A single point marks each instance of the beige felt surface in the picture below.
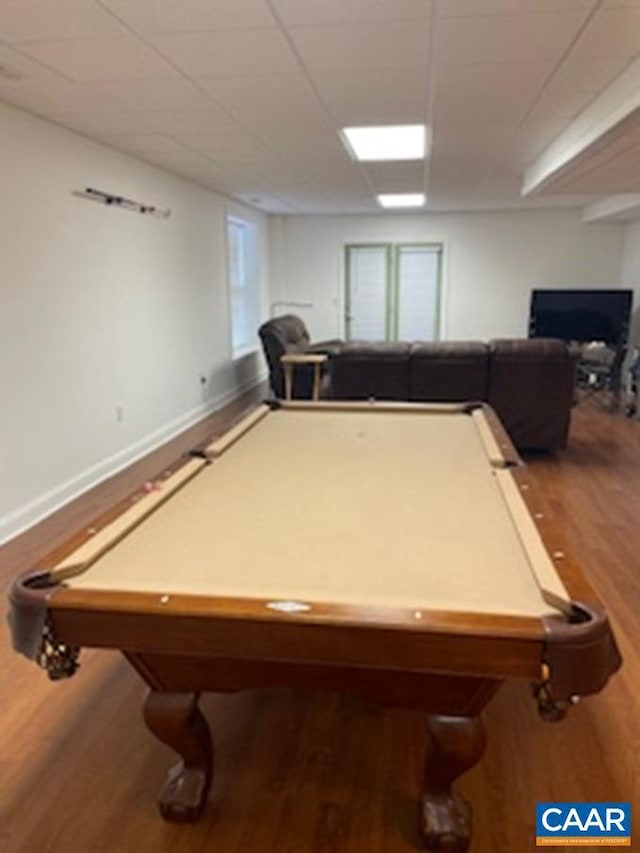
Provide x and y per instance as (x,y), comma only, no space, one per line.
(111,534)
(370,508)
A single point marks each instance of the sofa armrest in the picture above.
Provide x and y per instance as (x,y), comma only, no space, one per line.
(329,348)
(531,388)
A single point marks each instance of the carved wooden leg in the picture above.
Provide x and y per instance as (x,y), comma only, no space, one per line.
(175,719)
(455,745)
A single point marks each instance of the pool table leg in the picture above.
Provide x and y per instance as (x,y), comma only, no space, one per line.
(455,745)
(175,719)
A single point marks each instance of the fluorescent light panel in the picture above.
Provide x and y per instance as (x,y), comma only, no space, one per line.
(402,199)
(390,142)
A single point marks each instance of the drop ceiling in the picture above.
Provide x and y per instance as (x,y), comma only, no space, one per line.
(531,103)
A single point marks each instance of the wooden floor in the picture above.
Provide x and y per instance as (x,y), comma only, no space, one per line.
(305,772)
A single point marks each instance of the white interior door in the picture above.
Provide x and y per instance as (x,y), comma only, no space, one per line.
(367,293)
(418,292)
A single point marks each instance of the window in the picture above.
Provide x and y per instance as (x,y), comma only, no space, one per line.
(243,284)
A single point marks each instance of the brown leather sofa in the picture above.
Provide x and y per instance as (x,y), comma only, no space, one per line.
(529,382)
(288,334)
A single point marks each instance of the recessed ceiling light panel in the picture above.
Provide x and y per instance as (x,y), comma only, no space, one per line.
(388,142)
(402,200)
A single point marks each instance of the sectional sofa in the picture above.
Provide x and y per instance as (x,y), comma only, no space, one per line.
(529,381)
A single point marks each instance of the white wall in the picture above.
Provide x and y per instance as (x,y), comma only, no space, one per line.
(492,261)
(102,308)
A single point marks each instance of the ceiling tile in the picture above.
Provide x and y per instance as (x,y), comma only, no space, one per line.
(37,88)
(614,32)
(162,16)
(363,46)
(507,38)
(22,71)
(228,52)
(275,173)
(457,168)
(393,96)
(307,145)
(146,95)
(88,60)
(396,177)
(452,179)
(268,101)
(228,147)
(500,91)
(54,19)
(311,12)
(149,143)
(475,133)
(582,74)
(266,202)
(174,159)
(282,185)
(188,121)
(304,200)
(105,123)
(564,105)
(462,8)
(486,139)
(347,178)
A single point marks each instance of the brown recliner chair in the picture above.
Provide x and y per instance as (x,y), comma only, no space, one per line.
(531,388)
(288,334)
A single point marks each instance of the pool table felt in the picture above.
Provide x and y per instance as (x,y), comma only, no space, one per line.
(374,508)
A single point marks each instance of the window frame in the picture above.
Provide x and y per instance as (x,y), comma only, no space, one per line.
(243,280)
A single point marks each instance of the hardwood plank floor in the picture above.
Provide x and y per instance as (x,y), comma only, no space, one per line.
(303,772)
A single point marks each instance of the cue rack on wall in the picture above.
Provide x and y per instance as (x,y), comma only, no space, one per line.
(120,201)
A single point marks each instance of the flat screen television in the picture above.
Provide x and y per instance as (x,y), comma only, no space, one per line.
(581,315)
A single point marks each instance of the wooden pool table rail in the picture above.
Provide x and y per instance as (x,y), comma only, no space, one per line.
(576,657)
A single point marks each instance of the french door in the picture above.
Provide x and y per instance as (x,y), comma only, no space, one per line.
(393,291)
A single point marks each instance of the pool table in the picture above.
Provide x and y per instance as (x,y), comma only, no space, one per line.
(396,551)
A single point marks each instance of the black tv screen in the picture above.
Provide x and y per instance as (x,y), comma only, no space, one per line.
(581,315)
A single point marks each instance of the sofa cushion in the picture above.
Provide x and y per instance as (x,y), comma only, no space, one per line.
(449,371)
(363,370)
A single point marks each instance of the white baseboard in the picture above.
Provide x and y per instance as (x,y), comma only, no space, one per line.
(26,516)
